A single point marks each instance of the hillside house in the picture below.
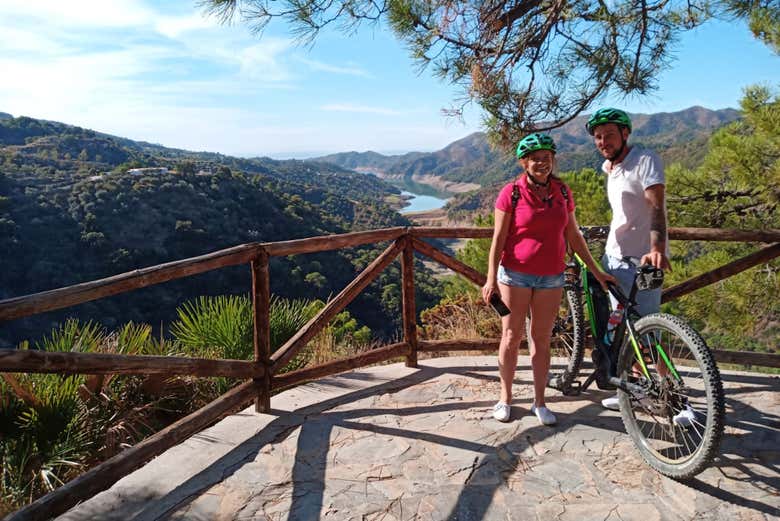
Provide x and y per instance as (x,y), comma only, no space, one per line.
(155,170)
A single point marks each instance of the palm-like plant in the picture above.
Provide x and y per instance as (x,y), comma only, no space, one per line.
(216,327)
(44,432)
(287,317)
(52,426)
(43,441)
(221,327)
(74,336)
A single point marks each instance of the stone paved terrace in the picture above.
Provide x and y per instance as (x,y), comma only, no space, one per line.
(392,443)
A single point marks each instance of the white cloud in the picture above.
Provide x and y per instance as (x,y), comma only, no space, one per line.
(349,70)
(348,107)
(264,60)
(55,72)
(54,84)
(18,40)
(174,26)
(102,14)
(81,13)
(185,81)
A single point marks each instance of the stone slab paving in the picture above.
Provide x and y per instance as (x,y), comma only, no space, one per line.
(393,443)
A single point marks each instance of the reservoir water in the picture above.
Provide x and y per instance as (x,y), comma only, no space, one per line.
(419,203)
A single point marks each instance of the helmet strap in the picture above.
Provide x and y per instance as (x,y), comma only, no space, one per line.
(537,183)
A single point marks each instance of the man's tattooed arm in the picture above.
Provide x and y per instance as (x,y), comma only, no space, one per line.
(658,229)
(654,195)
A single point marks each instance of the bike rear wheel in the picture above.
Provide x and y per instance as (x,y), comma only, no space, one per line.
(677,424)
(568,338)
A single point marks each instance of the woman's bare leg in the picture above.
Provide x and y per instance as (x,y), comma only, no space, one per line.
(544,309)
(512,333)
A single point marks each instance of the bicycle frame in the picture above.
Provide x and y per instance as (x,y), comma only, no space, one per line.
(675,419)
(626,325)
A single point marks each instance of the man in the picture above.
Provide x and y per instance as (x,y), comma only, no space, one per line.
(635,188)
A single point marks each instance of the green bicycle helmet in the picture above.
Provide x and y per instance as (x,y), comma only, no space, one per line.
(608,115)
(534,142)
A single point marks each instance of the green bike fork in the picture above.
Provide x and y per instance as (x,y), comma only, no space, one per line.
(641,358)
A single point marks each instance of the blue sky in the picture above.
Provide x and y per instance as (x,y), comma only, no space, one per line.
(164,73)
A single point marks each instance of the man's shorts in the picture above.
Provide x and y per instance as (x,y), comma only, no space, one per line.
(648,301)
(519,279)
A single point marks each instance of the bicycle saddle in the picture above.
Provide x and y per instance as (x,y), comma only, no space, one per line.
(649,277)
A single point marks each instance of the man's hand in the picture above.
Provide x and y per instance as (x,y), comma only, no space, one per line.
(657,259)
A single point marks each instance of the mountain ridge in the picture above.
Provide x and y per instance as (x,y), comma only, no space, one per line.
(471,159)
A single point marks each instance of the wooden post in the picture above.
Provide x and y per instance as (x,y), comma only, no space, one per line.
(409,310)
(261,304)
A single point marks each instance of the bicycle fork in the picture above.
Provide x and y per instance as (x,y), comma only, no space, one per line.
(640,360)
(607,366)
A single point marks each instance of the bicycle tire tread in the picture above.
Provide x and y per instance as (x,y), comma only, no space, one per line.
(706,453)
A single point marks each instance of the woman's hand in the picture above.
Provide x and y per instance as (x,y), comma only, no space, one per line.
(488,289)
(604,277)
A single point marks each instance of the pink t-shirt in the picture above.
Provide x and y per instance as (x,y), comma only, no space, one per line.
(535,242)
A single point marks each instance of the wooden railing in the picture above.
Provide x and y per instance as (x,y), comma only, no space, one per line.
(263,374)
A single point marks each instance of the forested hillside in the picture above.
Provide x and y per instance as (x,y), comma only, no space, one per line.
(70,212)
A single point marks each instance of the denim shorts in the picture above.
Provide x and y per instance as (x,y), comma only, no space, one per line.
(519,279)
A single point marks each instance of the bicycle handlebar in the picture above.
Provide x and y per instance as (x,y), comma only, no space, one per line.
(647,277)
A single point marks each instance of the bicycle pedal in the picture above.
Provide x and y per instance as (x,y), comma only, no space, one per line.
(602,382)
(574,389)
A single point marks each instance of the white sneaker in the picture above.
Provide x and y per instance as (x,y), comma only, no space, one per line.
(545,416)
(502,411)
(685,417)
(612,403)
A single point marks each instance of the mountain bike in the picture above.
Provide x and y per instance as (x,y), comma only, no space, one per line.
(669,387)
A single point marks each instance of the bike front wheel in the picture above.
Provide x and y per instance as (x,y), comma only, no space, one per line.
(677,422)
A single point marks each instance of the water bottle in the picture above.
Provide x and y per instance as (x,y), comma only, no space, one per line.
(614,319)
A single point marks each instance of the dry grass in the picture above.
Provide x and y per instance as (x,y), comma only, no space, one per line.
(462,317)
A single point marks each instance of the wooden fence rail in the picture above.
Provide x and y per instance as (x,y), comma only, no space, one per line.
(33,361)
(265,370)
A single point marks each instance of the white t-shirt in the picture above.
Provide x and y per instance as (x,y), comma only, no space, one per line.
(629,232)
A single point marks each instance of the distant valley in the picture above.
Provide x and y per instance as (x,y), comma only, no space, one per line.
(78,205)
(471,163)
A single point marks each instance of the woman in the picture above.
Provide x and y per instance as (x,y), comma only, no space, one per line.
(534,218)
